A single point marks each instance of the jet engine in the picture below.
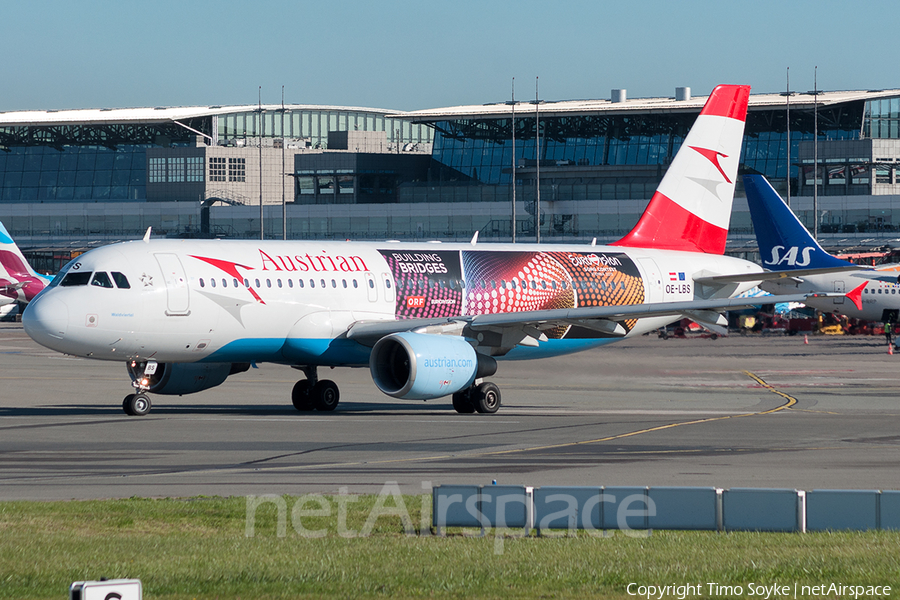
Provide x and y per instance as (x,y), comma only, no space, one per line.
(418,366)
(185,378)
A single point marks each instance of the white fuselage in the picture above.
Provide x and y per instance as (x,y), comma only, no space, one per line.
(876,297)
(292,302)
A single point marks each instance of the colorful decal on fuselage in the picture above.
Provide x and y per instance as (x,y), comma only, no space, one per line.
(428,284)
(477,282)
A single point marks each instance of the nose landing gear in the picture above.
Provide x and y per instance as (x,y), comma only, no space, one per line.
(138,405)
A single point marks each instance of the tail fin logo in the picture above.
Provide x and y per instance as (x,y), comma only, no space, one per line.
(790,257)
(713,157)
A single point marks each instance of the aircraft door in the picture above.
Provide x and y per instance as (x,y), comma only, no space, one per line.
(370,287)
(653,285)
(840,289)
(388,287)
(177,294)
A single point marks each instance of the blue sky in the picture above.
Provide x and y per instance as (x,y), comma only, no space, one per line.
(412,55)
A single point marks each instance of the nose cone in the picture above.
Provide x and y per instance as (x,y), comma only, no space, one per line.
(45,320)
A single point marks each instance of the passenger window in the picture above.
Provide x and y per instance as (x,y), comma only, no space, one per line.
(246,283)
(355,285)
(312,283)
(290,283)
(212,281)
(333,283)
(300,282)
(371,284)
(101,279)
(322,281)
(268,283)
(201,283)
(279,283)
(121,280)
(73,279)
(344,281)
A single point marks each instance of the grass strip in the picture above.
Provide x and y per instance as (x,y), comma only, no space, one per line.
(199,548)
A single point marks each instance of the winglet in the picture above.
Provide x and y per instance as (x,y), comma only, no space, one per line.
(474,239)
(147,235)
(856,295)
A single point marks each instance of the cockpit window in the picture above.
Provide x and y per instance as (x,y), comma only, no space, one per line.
(121,280)
(101,279)
(73,279)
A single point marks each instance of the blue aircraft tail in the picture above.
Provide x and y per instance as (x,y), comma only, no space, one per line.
(784,243)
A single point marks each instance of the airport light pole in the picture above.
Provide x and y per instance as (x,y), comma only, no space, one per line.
(537,154)
(816,154)
(512,103)
(262,222)
(283,195)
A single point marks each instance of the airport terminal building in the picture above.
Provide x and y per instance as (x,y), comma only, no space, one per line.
(92,176)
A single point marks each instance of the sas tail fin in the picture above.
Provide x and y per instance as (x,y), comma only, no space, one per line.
(784,243)
(18,281)
(691,208)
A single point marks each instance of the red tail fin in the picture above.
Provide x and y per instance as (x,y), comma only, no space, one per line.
(691,208)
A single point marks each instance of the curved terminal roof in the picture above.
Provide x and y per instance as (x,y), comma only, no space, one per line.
(635,106)
(98,116)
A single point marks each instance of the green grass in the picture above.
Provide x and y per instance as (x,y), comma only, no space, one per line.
(197,548)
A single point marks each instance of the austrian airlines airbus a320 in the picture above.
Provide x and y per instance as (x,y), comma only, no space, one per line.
(429,320)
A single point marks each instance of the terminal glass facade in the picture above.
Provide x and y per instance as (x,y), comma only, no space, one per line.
(481,150)
(73,174)
(314,125)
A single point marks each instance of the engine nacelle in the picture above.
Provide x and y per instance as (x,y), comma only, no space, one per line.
(185,378)
(419,366)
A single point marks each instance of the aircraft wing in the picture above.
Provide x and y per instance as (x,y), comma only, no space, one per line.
(602,319)
(892,277)
(797,274)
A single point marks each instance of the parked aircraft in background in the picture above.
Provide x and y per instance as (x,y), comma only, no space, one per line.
(428,319)
(19,283)
(786,246)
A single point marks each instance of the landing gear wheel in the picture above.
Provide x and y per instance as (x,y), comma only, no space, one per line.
(486,398)
(301,397)
(138,405)
(462,402)
(325,395)
(126,404)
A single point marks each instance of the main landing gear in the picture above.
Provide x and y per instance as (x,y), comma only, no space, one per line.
(483,398)
(315,394)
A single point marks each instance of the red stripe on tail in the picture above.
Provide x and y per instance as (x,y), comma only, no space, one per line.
(667,226)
